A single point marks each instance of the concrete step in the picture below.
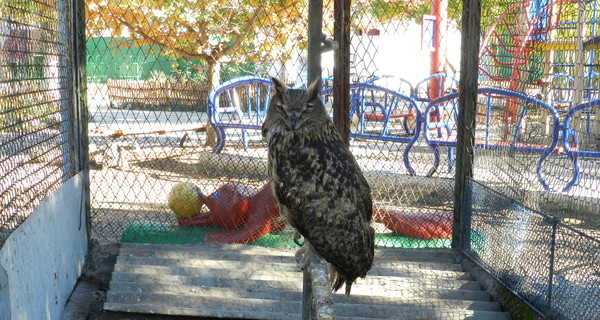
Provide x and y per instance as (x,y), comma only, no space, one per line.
(251,282)
(208,305)
(351,311)
(436,298)
(254,261)
(191,305)
(418,302)
(423,280)
(384,257)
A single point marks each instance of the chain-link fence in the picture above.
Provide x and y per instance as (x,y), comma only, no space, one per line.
(551,265)
(37,122)
(146,140)
(177,155)
(534,189)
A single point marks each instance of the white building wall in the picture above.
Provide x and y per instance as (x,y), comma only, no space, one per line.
(41,261)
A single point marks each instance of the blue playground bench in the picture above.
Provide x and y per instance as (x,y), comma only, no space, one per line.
(498,109)
(571,134)
(371,103)
(423,91)
(242,103)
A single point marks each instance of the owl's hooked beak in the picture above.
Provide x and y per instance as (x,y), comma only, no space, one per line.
(293,120)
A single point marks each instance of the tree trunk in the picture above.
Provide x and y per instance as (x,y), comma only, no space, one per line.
(214,78)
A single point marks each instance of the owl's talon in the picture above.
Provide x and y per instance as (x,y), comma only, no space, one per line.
(305,255)
(297,237)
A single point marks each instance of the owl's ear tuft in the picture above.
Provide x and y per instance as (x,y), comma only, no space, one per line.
(313,89)
(280,87)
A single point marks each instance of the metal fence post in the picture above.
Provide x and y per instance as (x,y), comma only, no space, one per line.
(80,111)
(551,267)
(471,26)
(341,68)
(315,39)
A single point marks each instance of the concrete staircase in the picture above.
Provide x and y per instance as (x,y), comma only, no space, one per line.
(249,282)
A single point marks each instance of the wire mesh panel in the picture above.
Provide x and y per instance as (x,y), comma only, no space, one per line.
(551,265)
(552,58)
(532,198)
(36,98)
(153,65)
(172,113)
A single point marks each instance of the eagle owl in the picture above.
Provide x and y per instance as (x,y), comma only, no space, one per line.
(318,184)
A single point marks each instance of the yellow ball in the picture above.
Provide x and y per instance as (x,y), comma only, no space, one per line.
(185,199)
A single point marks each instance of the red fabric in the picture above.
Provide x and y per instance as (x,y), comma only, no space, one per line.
(416,225)
(228,208)
(246,216)
(243,216)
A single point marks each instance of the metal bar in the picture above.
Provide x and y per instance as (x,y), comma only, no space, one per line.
(315,39)
(341,69)
(471,31)
(552,255)
(80,109)
(579,53)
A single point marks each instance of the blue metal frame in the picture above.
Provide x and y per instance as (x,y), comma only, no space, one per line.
(562,88)
(441,78)
(571,141)
(363,99)
(257,111)
(434,144)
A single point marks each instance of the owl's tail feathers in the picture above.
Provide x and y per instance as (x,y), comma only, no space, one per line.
(337,281)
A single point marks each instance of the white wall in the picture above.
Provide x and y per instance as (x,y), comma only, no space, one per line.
(397,52)
(41,260)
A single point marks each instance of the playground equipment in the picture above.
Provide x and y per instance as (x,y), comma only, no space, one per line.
(536,41)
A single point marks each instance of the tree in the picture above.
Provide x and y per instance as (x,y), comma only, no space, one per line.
(211,31)
(208,31)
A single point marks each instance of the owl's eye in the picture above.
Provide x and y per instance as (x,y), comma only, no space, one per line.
(310,106)
(279,106)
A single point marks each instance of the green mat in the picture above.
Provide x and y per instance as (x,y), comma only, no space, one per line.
(144,232)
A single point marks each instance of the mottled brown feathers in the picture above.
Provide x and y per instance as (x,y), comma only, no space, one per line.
(318,184)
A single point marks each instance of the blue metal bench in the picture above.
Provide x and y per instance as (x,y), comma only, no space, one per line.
(423,91)
(398,84)
(375,104)
(572,145)
(239,103)
(242,103)
(492,103)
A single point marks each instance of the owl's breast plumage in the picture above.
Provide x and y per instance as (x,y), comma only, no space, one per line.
(315,177)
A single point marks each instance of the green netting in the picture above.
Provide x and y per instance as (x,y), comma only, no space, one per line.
(146,232)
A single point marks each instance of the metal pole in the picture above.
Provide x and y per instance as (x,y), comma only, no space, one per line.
(341,68)
(80,110)
(467,100)
(439,9)
(315,39)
